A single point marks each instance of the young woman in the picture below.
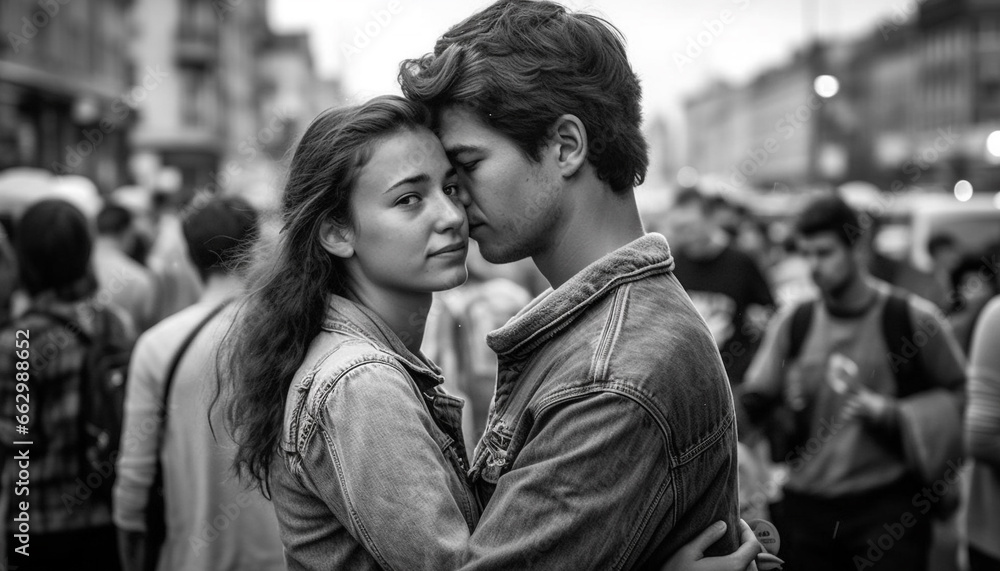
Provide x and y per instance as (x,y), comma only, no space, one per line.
(337,415)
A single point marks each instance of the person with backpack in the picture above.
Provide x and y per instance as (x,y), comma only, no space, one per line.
(176,504)
(62,370)
(860,393)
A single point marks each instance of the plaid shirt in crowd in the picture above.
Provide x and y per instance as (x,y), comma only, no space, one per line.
(59,497)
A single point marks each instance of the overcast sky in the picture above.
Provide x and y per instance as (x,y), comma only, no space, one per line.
(349,39)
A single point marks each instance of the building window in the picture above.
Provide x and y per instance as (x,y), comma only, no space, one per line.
(197,91)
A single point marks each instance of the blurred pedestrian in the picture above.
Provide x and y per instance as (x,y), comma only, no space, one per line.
(177,281)
(121,279)
(726,285)
(982,442)
(180,353)
(9,280)
(848,402)
(973,285)
(897,272)
(946,255)
(70,513)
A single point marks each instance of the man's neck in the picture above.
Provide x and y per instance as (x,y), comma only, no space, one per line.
(599,222)
(855,299)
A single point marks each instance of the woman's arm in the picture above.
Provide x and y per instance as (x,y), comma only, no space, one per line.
(383,473)
(751,556)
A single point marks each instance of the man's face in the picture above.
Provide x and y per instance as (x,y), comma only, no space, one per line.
(688,229)
(515,207)
(831,262)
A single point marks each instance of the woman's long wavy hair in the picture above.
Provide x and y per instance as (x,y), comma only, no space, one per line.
(290,280)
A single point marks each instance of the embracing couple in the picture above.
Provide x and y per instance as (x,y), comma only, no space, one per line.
(611,439)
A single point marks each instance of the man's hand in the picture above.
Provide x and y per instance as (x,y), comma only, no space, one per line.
(691,557)
(865,404)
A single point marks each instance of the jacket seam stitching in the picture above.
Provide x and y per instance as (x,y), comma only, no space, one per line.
(610,334)
(567,394)
(319,401)
(540,335)
(667,483)
(350,504)
(553,400)
(712,437)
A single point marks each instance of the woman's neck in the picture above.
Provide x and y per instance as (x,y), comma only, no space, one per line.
(404,312)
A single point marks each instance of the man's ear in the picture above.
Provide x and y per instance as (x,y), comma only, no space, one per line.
(569,137)
(336,239)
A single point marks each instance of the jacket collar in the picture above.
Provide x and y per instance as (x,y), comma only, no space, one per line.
(343,314)
(556,309)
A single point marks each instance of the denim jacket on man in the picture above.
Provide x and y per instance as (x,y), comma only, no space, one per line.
(611,440)
(370,471)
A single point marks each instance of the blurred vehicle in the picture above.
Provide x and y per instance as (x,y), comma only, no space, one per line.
(975,225)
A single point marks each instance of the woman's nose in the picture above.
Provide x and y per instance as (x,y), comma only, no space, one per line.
(451,213)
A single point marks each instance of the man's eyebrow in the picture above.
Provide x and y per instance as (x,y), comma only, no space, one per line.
(459,149)
(409,180)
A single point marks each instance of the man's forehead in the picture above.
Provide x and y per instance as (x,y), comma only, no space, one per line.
(460,129)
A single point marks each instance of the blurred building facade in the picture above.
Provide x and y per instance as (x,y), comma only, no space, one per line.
(208,104)
(176,95)
(66,88)
(291,92)
(918,98)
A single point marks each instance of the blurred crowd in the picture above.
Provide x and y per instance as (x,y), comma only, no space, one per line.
(160,271)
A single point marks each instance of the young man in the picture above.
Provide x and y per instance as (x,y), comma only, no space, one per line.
(725,284)
(857,401)
(611,439)
(61,515)
(124,281)
(199,491)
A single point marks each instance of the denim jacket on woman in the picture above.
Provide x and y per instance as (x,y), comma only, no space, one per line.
(370,471)
(611,440)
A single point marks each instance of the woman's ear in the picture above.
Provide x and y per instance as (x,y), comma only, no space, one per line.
(570,138)
(336,239)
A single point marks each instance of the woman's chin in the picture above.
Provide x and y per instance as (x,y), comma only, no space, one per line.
(452,278)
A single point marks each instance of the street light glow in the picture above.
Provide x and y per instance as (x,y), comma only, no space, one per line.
(963,190)
(826,86)
(993,144)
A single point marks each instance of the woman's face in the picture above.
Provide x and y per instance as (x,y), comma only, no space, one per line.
(410,231)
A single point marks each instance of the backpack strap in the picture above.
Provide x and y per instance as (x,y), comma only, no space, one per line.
(94,344)
(897,329)
(175,363)
(801,322)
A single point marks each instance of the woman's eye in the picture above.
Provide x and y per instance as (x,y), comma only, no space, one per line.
(469,166)
(451,190)
(408,200)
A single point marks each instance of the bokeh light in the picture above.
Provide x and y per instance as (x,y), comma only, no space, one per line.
(963,190)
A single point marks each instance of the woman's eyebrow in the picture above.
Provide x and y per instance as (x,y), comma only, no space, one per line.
(409,180)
